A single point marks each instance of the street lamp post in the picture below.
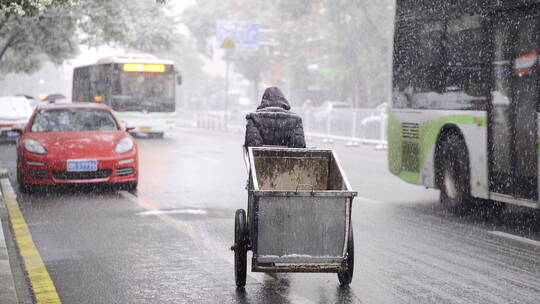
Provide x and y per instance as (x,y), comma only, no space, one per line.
(229,45)
(227,71)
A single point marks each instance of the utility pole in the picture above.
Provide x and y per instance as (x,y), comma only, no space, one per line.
(229,45)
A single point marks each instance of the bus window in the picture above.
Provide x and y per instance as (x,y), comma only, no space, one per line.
(429,58)
(81,85)
(418,62)
(467,52)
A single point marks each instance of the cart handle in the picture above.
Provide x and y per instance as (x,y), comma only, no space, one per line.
(308,185)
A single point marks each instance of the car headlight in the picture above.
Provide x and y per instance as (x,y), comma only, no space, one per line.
(33,146)
(124,145)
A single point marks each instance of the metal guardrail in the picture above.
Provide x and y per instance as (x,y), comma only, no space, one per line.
(355,126)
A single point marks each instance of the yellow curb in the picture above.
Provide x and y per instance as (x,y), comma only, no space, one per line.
(40,280)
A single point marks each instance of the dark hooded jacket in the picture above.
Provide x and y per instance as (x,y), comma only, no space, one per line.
(273,124)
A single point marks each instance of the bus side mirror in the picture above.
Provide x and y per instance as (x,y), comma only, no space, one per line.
(178,78)
(127,127)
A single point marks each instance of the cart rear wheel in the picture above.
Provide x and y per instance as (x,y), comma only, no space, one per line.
(345,277)
(240,247)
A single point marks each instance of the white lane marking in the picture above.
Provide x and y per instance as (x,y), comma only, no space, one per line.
(197,156)
(210,160)
(367,200)
(211,245)
(181,211)
(515,238)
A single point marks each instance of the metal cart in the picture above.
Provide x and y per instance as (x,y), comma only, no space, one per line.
(299,214)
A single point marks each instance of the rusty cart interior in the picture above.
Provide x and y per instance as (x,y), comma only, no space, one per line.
(299,214)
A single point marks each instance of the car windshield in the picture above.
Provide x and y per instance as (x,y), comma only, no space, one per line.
(73,120)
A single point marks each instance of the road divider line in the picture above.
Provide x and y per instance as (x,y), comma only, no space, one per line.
(40,281)
(515,238)
(215,247)
(210,160)
(180,211)
(367,200)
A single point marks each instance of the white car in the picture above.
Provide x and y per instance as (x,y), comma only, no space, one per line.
(374,125)
(328,107)
(14,111)
(378,114)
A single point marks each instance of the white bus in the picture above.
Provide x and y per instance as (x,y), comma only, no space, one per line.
(139,88)
(466,89)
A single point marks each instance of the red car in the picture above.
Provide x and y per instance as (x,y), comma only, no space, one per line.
(76,143)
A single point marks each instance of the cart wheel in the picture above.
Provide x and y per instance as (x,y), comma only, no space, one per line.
(345,277)
(240,248)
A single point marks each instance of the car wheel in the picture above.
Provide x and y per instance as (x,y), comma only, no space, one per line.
(155,135)
(23,187)
(129,186)
(132,186)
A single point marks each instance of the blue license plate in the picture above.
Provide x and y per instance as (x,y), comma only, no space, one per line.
(74,165)
(12,134)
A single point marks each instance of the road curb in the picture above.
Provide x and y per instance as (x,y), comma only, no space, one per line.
(40,282)
(7,281)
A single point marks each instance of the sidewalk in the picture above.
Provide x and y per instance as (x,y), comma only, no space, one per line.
(7,285)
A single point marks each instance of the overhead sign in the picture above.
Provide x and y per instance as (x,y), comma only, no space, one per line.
(140,67)
(244,35)
(228,43)
(524,63)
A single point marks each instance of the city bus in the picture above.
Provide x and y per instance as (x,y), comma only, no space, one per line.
(465,100)
(139,88)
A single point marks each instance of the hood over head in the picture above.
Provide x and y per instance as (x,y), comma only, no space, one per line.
(273,97)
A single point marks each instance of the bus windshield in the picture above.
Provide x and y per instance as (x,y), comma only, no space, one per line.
(151,92)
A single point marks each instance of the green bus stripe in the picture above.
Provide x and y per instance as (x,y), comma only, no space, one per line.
(428,132)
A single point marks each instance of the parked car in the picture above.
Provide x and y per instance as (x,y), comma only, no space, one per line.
(76,143)
(375,123)
(378,114)
(14,110)
(326,108)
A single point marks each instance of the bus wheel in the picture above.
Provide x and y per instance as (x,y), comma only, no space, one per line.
(453,179)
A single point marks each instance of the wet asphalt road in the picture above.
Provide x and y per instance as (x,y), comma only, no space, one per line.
(168,243)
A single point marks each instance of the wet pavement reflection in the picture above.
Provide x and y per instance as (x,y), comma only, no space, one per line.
(171,243)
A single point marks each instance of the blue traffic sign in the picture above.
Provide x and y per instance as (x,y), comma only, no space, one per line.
(244,34)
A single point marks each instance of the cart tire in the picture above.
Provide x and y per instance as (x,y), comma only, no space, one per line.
(240,248)
(345,277)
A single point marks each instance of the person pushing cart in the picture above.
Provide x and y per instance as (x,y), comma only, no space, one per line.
(299,200)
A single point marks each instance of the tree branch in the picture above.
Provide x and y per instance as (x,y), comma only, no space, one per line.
(374,29)
(4,22)
(6,46)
